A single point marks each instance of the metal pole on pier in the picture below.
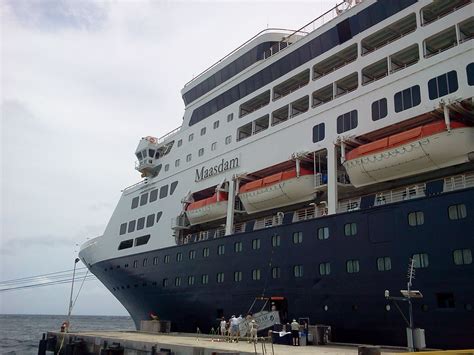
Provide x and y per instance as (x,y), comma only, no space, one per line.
(411,276)
(70,297)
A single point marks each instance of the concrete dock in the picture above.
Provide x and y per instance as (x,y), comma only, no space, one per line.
(139,343)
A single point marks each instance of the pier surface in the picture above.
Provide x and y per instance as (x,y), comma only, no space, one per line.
(189,344)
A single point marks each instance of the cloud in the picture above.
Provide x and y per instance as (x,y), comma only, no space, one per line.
(54,15)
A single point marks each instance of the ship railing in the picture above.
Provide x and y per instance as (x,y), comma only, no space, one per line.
(309,213)
(167,135)
(454,44)
(144,181)
(397,195)
(349,205)
(453,9)
(314,24)
(203,235)
(458,182)
(146,163)
(401,35)
(269,221)
(239,227)
(333,69)
(219,232)
(404,66)
(238,48)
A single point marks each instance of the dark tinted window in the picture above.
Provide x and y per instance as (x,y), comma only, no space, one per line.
(153,195)
(227,72)
(131,226)
(407,98)
(347,121)
(123,228)
(150,220)
(470,74)
(141,223)
(173,187)
(163,191)
(318,132)
(361,21)
(143,199)
(379,109)
(125,244)
(158,216)
(443,85)
(142,240)
(135,202)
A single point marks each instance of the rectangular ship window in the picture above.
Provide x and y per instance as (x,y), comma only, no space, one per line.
(142,241)
(125,244)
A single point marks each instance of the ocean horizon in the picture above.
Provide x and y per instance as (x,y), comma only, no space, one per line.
(20,333)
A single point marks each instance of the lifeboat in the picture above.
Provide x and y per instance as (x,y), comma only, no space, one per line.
(277,190)
(415,151)
(208,209)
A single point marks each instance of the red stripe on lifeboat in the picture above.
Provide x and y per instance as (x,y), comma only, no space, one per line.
(272,179)
(401,138)
(207,201)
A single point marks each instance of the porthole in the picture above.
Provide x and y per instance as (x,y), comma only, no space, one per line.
(326,307)
(387,307)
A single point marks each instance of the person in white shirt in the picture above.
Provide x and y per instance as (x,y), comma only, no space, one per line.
(295,332)
(222,326)
(234,328)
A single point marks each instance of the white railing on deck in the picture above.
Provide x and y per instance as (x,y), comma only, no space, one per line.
(458,182)
(314,24)
(309,213)
(203,235)
(167,135)
(397,195)
(268,221)
(349,205)
(219,232)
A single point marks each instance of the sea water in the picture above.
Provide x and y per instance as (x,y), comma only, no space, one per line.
(20,334)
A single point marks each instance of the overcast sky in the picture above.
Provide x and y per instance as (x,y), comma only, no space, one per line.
(81,83)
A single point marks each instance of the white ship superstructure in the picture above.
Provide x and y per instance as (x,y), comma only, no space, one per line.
(376,100)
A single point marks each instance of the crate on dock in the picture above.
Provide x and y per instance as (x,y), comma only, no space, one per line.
(155,326)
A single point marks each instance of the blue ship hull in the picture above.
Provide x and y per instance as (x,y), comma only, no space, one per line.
(352,303)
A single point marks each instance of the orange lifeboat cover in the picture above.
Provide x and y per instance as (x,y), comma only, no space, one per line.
(401,138)
(207,201)
(272,179)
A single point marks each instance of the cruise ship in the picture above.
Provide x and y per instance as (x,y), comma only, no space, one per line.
(311,166)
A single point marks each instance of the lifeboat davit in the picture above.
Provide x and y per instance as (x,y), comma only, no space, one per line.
(415,151)
(277,190)
(208,209)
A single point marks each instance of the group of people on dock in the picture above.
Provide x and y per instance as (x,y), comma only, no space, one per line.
(231,328)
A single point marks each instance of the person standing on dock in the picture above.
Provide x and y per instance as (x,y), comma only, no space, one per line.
(234,329)
(253,331)
(295,332)
(222,326)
